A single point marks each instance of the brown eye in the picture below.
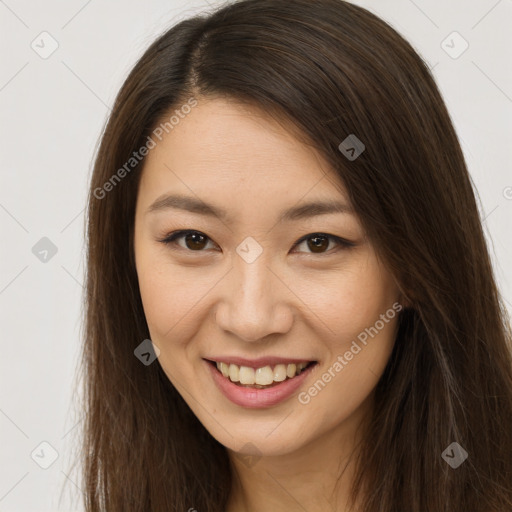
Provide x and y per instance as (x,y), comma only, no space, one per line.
(192,240)
(195,241)
(318,243)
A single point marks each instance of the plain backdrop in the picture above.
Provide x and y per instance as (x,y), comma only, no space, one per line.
(53,108)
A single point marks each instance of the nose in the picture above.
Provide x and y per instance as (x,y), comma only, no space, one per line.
(255,303)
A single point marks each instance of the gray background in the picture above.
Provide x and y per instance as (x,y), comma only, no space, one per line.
(53,110)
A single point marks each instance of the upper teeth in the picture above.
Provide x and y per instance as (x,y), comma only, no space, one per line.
(262,376)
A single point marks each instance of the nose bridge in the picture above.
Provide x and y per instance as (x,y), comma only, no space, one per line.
(253,306)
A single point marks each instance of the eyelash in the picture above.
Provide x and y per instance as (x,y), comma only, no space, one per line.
(171,239)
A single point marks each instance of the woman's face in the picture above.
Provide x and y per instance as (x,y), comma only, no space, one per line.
(260,286)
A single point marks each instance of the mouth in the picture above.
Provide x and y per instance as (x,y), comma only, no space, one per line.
(263,377)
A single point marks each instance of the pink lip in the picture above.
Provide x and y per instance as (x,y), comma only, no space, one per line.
(255,398)
(257,363)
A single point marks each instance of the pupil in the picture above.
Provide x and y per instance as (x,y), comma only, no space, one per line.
(318,243)
(195,241)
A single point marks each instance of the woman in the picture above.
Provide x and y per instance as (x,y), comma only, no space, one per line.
(290,303)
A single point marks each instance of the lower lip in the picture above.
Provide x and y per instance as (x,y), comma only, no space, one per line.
(256,398)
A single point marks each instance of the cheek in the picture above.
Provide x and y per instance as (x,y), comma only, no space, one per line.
(351,372)
(347,301)
(158,294)
(168,300)
(359,321)
(169,309)
(169,293)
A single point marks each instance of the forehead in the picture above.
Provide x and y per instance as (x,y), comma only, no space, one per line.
(222,147)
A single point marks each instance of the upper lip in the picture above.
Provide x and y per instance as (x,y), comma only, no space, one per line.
(260,362)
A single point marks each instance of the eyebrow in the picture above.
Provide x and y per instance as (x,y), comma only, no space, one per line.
(193,205)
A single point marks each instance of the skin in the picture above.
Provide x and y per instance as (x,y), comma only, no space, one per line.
(291,301)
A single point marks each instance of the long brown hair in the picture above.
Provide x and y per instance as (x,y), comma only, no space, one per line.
(332,69)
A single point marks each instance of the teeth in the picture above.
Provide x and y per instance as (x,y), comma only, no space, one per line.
(246,375)
(280,373)
(234,372)
(291,370)
(224,368)
(264,376)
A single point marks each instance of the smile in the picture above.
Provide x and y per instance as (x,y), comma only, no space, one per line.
(240,384)
(263,377)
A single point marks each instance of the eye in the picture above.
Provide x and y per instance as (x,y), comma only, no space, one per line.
(318,243)
(195,241)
